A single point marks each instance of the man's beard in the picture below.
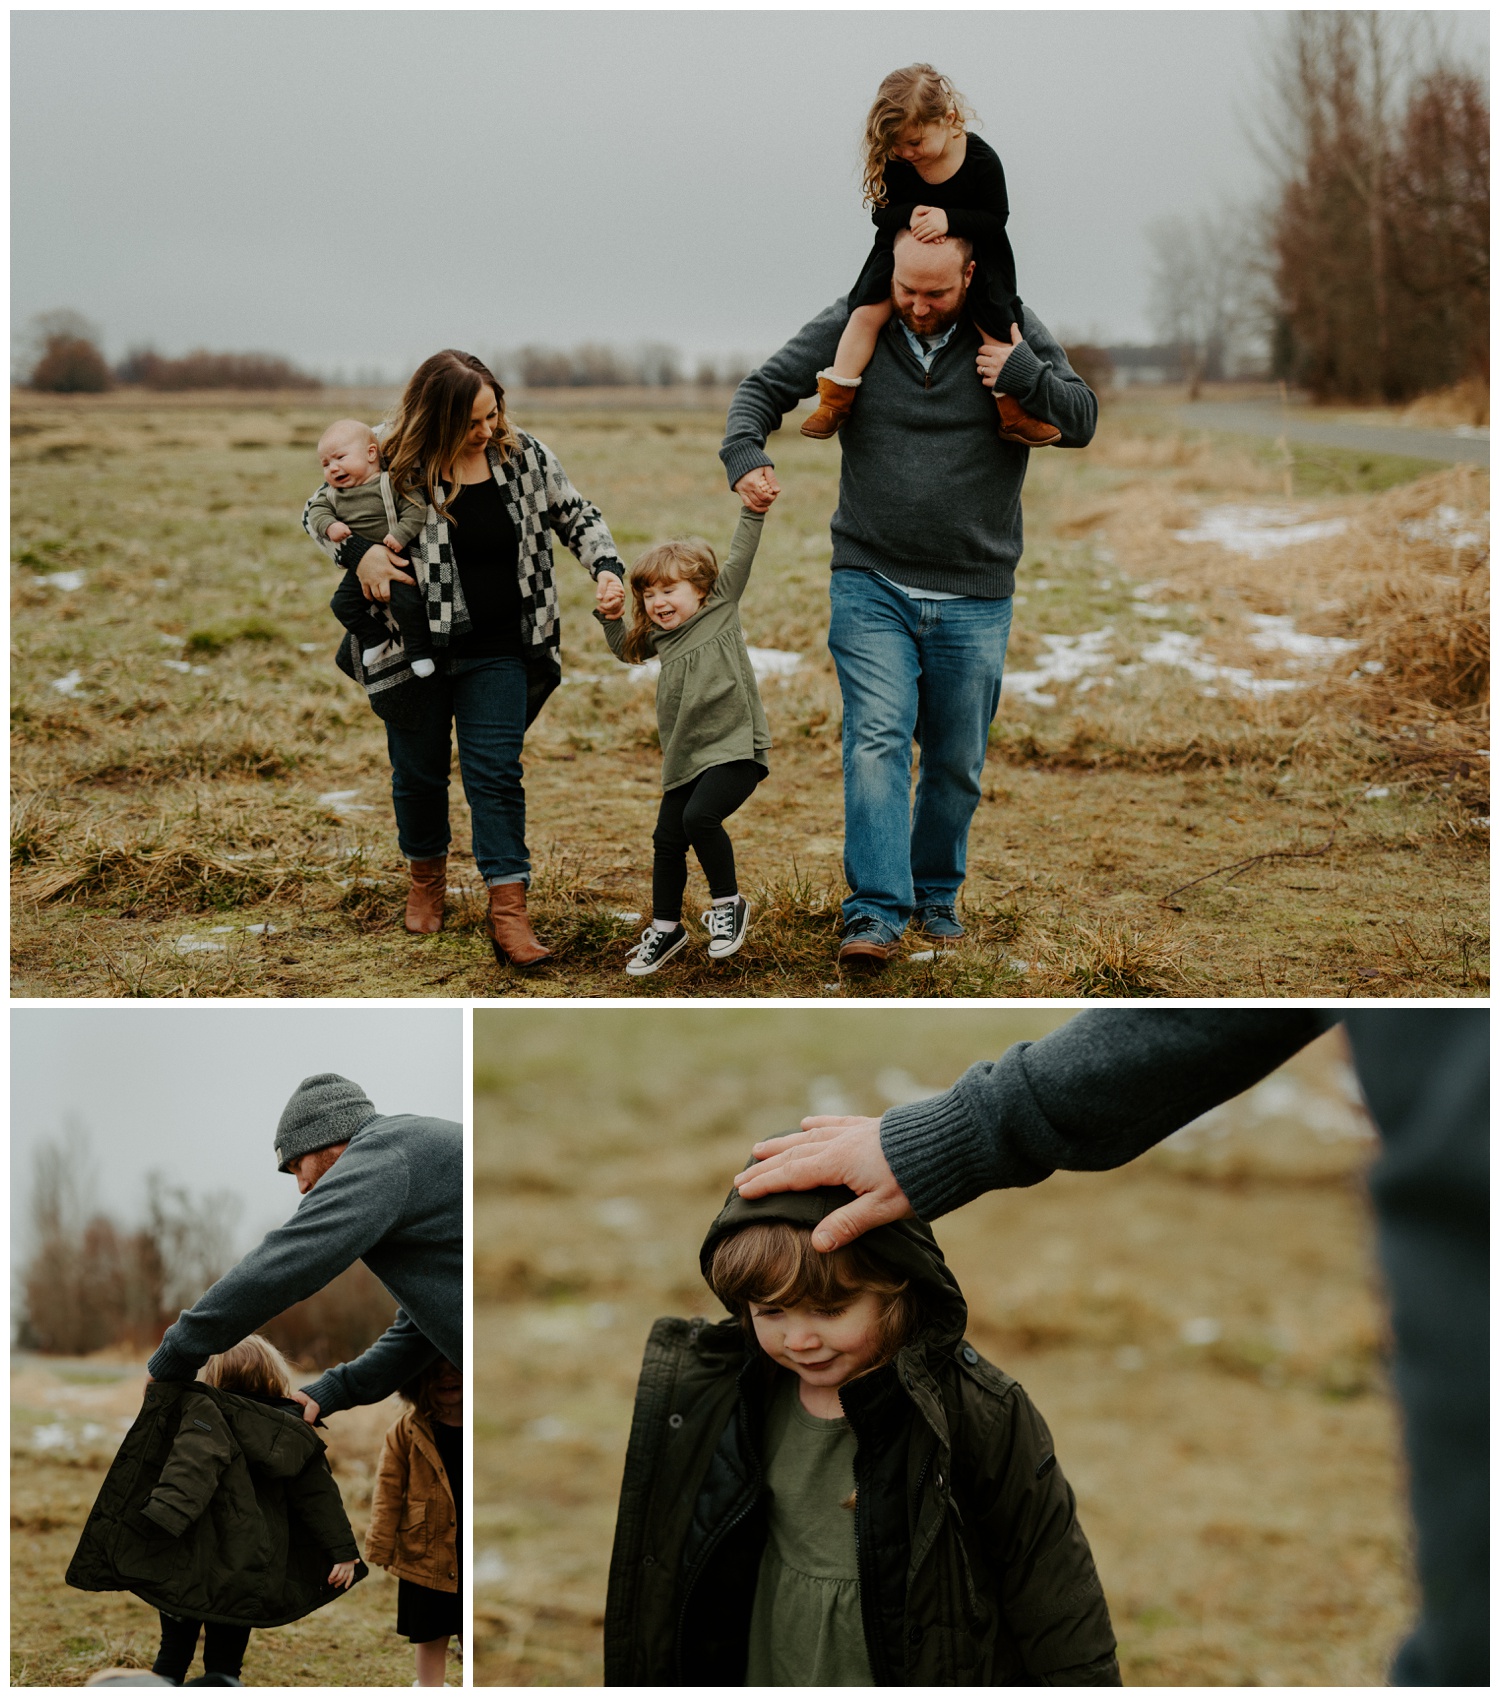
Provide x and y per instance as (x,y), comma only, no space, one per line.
(935,323)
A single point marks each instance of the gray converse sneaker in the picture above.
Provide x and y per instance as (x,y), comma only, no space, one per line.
(655,949)
(938,919)
(726,925)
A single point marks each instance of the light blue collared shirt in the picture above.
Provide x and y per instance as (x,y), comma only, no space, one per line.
(920,344)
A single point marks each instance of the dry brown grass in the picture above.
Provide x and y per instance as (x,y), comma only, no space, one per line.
(211,769)
(1242,1493)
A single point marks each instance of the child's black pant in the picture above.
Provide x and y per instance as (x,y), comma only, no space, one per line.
(408,608)
(692,816)
(223,1648)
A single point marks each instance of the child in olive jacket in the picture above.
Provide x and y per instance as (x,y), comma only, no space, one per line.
(741,1553)
(221,1511)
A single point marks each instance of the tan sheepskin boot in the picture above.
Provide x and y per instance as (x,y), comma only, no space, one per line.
(511,936)
(1017,425)
(835,398)
(424,901)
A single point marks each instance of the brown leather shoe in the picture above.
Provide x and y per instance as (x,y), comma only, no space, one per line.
(424,900)
(511,936)
(1017,425)
(863,951)
(835,400)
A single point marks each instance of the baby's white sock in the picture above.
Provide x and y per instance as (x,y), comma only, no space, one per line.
(371,655)
(667,925)
(423,668)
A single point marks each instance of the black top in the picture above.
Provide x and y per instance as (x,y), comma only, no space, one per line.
(487,554)
(450,1448)
(975,200)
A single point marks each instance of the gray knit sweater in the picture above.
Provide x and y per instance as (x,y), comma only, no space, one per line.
(928,494)
(394,1200)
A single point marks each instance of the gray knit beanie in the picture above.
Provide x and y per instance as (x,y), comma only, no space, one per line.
(324,1109)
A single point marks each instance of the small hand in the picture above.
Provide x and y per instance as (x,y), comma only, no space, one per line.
(342,1575)
(609,595)
(993,355)
(831,1149)
(929,223)
(393,544)
(758,489)
(338,531)
(309,1407)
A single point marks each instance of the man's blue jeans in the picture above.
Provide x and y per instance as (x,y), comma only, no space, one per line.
(484,702)
(923,670)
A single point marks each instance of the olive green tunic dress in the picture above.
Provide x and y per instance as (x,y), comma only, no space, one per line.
(806,1627)
(708,709)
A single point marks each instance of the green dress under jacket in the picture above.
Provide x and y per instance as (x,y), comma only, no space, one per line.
(708,709)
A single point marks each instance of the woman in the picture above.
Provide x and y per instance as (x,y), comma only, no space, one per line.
(484,559)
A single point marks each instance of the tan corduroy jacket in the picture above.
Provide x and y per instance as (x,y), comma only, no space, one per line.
(414,1527)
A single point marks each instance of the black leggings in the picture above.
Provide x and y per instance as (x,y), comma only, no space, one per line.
(692,816)
(223,1648)
(408,609)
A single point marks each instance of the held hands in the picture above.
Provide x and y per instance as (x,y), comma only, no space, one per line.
(338,531)
(993,355)
(609,595)
(758,489)
(831,1149)
(929,223)
(310,1413)
(342,1575)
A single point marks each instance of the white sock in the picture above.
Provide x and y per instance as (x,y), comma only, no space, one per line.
(423,668)
(848,382)
(726,901)
(371,655)
(667,925)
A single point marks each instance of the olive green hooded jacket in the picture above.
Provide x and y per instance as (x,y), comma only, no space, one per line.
(973,1569)
(218,1507)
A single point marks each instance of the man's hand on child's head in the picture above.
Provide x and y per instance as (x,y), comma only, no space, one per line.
(310,1410)
(338,531)
(831,1149)
(342,1575)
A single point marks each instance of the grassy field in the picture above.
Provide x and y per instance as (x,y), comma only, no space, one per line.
(66,1419)
(201,800)
(1201,1330)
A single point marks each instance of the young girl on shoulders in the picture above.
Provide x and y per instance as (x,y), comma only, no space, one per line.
(414,1519)
(833,1487)
(926,173)
(711,724)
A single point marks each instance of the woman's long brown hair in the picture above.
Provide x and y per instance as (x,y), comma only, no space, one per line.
(427,431)
(916,94)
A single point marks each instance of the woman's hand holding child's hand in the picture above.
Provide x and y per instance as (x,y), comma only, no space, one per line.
(758,489)
(342,1575)
(338,531)
(993,355)
(609,595)
(929,223)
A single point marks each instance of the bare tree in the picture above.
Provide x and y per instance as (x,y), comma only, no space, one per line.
(1206,288)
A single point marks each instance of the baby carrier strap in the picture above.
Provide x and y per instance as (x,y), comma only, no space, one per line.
(387,495)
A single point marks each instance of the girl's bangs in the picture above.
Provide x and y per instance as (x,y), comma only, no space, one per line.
(776,1265)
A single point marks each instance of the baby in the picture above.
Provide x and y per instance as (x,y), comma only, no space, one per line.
(357,500)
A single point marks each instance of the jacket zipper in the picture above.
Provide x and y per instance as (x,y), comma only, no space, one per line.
(874,1642)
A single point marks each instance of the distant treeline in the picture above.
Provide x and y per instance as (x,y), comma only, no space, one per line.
(596,365)
(66,360)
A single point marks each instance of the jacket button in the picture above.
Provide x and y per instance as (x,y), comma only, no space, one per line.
(971,1355)
(650,1561)
(674,1421)
(940,1481)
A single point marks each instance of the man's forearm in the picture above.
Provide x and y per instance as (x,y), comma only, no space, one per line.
(774,388)
(1093,1094)
(398,1354)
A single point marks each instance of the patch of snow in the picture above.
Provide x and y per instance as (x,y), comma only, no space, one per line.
(63,580)
(1470,430)
(923,954)
(183,666)
(266,930)
(70,684)
(1065,659)
(344,802)
(1201,1332)
(1445,524)
(1275,632)
(1177,648)
(1377,792)
(1259,531)
(191,945)
(774,662)
(490,1568)
(172,641)
(548,1429)
(55,1437)
(898,1086)
(621,1214)
(310,647)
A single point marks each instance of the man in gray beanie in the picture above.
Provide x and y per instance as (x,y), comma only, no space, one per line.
(385,1189)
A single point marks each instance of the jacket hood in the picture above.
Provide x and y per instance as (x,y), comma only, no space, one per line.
(907,1247)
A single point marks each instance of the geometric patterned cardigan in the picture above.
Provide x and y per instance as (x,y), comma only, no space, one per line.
(540,500)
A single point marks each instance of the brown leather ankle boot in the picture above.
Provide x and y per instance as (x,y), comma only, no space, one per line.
(1017,425)
(424,901)
(511,936)
(834,403)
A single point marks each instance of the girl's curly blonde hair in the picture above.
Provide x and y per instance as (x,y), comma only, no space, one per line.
(914,95)
(685,560)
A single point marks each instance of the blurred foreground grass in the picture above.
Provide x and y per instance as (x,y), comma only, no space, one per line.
(1201,1330)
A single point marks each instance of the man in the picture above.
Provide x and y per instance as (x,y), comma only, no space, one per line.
(926,538)
(383,1189)
(1107,1085)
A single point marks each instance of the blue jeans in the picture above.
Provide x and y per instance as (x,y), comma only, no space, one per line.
(484,701)
(923,670)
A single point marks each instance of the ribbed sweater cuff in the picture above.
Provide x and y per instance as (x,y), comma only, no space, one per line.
(352,550)
(935,1148)
(742,457)
(1021,373)
(328,1393)
(170,1364)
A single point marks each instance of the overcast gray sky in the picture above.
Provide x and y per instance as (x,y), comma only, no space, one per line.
(361,188)
(196,1092)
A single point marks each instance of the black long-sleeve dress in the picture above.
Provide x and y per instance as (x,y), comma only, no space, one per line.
(975,200)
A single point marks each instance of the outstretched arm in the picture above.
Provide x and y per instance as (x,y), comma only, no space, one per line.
(770,392)
(398,1354)
(734,574)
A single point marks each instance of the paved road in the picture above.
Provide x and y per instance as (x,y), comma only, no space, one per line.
(1266,418)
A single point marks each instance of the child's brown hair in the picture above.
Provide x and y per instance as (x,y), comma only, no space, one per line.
(417,1391)
(253,1367)
(916,94)
(689,560)
(775,1264)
